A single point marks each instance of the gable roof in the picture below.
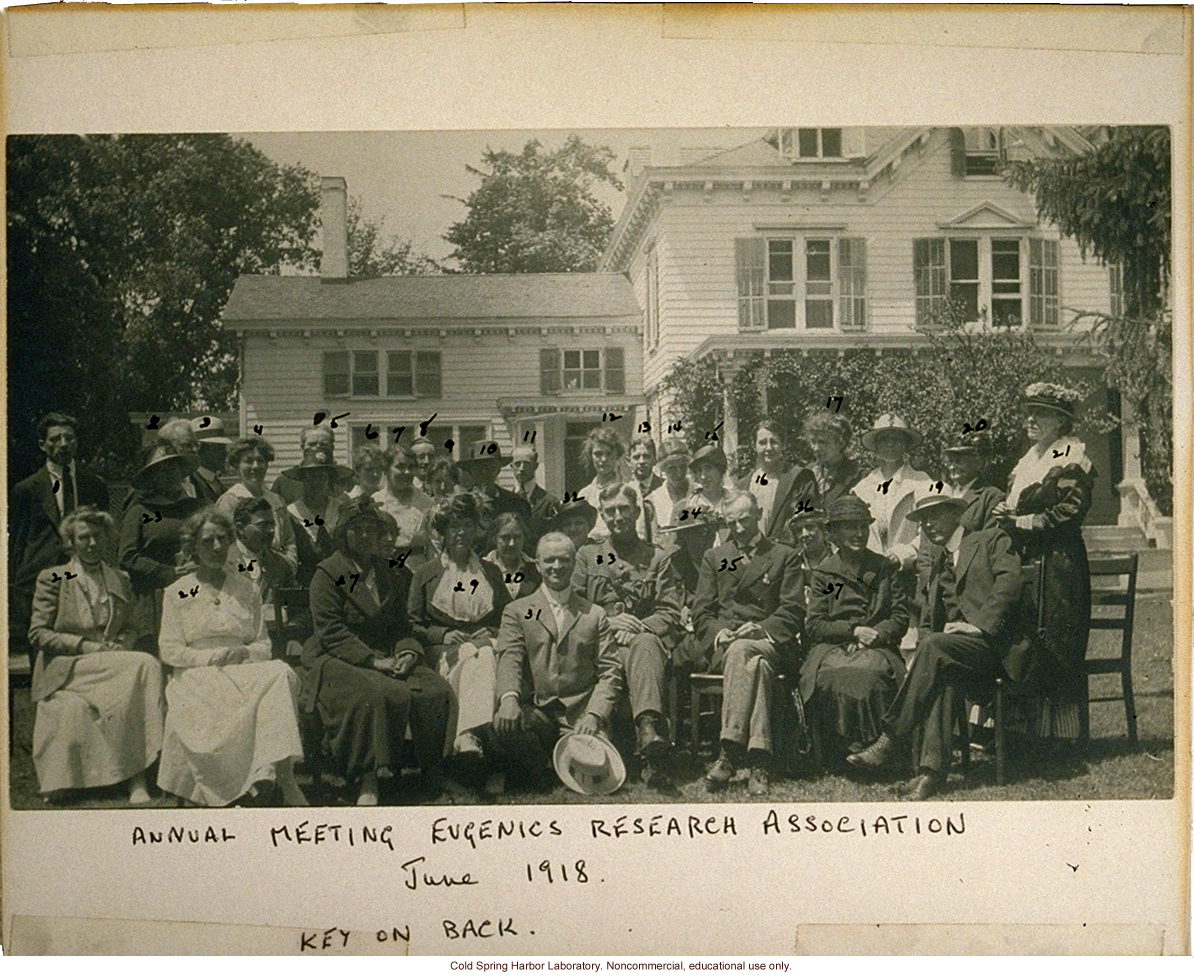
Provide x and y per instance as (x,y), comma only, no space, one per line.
(272,298)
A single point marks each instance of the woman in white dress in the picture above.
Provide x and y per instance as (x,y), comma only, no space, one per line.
(890,489)
(232,720)
(99,700)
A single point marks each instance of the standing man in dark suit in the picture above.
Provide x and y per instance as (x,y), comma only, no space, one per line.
(748,612)
(967,639)
(212,446)
(36,509)
(479,467)
(524,461)
(965,458)
(779,486)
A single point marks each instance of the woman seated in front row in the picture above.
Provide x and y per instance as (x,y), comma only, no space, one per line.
(455,608)
(366,676)
(857,612)
(99,708)
(231,720)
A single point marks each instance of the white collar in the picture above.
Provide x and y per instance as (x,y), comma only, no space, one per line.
(955,540)
(56,471)
(560,600)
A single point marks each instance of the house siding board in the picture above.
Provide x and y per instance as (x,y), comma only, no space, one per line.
(698,295)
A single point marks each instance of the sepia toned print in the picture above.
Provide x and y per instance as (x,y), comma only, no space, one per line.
(810,464)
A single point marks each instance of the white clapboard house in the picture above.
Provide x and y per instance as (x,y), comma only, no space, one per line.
(517,358)
(825,239)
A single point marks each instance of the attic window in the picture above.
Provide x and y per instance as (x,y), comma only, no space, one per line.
(810,143)
(983,151)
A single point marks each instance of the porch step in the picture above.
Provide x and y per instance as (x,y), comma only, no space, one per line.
(1114,538)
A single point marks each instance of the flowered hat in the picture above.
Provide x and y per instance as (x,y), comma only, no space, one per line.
(1052,396)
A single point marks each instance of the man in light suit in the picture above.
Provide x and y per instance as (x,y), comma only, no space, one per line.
(37,506)
(968,638)
(524,461)
(557,664)
(747,613)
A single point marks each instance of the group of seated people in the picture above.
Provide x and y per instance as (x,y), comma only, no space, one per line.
(450,624)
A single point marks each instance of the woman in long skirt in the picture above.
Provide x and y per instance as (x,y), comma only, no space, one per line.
(232,719)
(366,677)
(857,613)
(99,698)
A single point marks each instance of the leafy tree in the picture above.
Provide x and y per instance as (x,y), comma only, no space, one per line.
(1117,203)
(535,211)
(122,251)
(371,254)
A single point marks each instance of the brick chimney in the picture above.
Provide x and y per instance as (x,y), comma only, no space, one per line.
(333,213)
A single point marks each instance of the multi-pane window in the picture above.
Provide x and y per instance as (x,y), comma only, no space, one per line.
(581,370)
(805,282)
(983,151)
(985,278)
(811,143)
(408,374)
(384,434)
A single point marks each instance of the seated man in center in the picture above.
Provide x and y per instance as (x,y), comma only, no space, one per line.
(747,613)
(634,582)
(557,664)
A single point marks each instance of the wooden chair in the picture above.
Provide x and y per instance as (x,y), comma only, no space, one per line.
(1102,570)
(704,700)
(292,621)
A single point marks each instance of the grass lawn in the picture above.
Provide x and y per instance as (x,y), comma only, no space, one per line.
(1108,768)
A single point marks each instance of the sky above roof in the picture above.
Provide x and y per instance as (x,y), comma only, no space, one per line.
(409,178)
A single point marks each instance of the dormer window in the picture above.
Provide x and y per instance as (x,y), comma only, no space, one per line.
(983,151)
(810,143)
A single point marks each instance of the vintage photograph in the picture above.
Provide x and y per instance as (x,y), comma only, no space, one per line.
(797,464)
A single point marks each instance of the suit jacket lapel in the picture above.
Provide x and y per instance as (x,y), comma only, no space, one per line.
(966,550)
(49,503)
(782,490)
(356,590)
(571,615)
(760,563)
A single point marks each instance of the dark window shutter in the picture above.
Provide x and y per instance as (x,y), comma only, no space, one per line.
(549,371)
(615,370)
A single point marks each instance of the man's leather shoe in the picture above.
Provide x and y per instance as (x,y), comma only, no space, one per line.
(720,773)
(926,785)
(874,756)
(759,783)
(652,744)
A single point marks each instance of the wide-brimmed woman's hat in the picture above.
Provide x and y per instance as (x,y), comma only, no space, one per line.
(888,423)
(848,508)
(672,452)
(163,456)
(339,473)
(1050,396)
(588,764)
(709,454)
(484,451)
(933,501)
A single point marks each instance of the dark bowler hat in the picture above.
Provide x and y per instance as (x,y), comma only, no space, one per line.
(484,451)
(570,509)
(163,456)
(1051,396)
(710,453)
(848,508)
(972,442)
(933,501)
(338,472)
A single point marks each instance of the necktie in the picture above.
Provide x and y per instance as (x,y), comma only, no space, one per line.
(947,588)
(69,500)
